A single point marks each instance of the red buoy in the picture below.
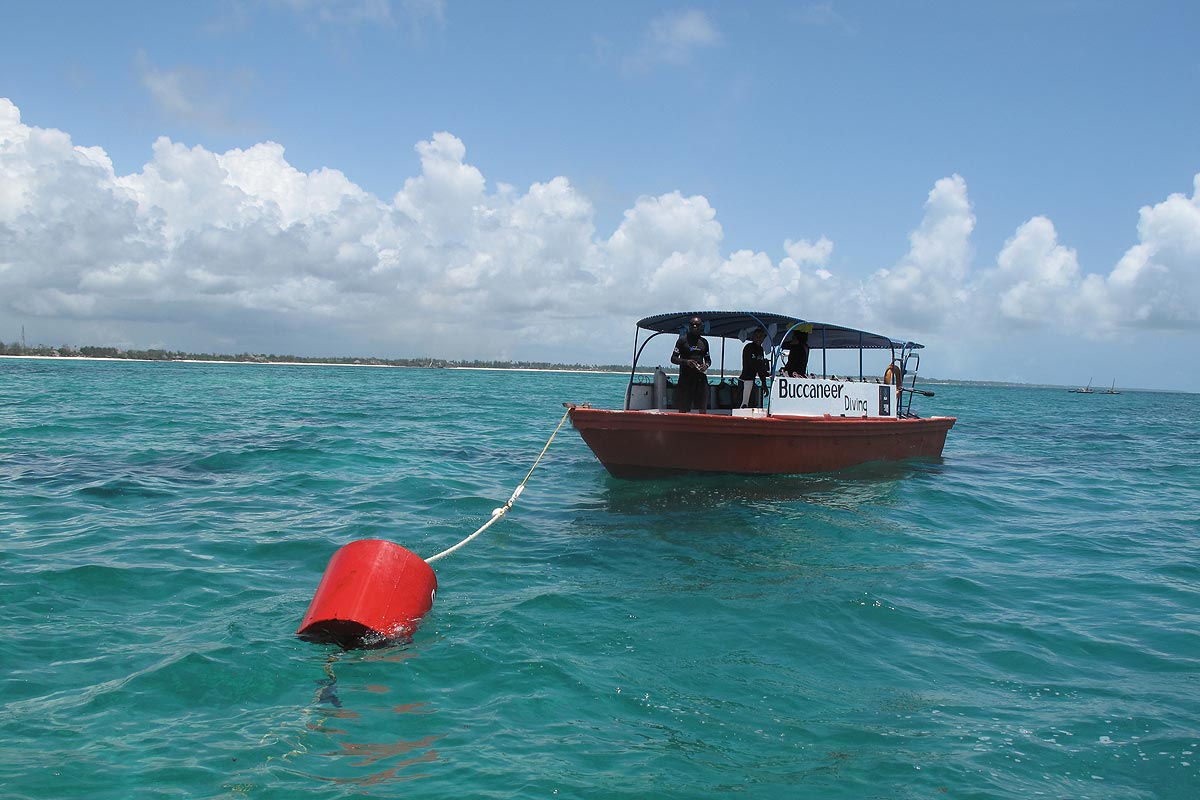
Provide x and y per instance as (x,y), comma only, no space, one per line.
(372,592)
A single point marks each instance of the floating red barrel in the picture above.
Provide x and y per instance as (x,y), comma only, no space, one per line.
(372,592)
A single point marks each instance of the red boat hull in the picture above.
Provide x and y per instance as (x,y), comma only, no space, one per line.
(639,444)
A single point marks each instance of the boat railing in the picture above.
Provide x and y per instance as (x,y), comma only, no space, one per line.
(909,364)
(656,390)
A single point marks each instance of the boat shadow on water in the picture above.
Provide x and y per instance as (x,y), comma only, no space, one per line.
(848,488)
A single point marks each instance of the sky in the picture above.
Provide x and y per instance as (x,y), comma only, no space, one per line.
(1016,185)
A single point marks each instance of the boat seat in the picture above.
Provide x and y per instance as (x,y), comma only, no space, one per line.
(722,395)
(661,382)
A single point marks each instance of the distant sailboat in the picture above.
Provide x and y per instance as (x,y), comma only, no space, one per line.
(1112,389)
(1086,389)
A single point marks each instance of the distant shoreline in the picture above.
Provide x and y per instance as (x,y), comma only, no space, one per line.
(574,370)
(564,369)
(214,361)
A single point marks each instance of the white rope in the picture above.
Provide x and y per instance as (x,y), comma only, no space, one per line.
(498,513)
(299,745)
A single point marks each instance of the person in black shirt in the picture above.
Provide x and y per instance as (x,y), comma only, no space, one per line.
(797,360)
(691,354)
(754,365)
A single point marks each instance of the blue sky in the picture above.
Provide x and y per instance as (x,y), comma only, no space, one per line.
(1015,184)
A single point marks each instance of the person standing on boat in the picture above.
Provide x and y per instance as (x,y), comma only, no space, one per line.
(796,344)
(754,365)
(691,354)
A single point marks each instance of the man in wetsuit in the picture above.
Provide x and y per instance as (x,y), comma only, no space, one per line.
(797,347)
(754,365)
(691,354)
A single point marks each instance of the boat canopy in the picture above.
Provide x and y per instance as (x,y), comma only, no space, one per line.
(739,324)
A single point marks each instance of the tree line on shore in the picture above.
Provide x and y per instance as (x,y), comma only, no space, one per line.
(67,352)
(89,351)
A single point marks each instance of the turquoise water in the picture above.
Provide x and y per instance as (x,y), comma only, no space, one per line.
(1019,619)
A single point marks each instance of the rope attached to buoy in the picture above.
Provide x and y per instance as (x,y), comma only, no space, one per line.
(498,513)
(375,591)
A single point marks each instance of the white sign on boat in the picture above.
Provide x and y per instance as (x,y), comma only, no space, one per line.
(816,397)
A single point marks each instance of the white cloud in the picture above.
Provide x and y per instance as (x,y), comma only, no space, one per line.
(674,38)
(341,18)
(1038,283)
(928,287)
(664,246)
(677,36)
(824,15)
(239,250)
(166,89)
(1156,285)
(667,254)
(192,95)
(445,198)
(1037,279)
(806,252)
(347,12)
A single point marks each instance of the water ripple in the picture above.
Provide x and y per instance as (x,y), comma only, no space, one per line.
(1015,619)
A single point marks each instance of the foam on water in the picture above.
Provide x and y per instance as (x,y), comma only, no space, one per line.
(1018,619)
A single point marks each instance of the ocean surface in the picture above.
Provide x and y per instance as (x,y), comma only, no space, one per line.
(1018,619)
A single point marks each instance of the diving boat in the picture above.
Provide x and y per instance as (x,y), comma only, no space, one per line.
(815,422)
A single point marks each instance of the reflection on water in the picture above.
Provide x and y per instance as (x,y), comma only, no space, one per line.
(370,753)
(849,488)
(328,692)
(390,775)
(342,709)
